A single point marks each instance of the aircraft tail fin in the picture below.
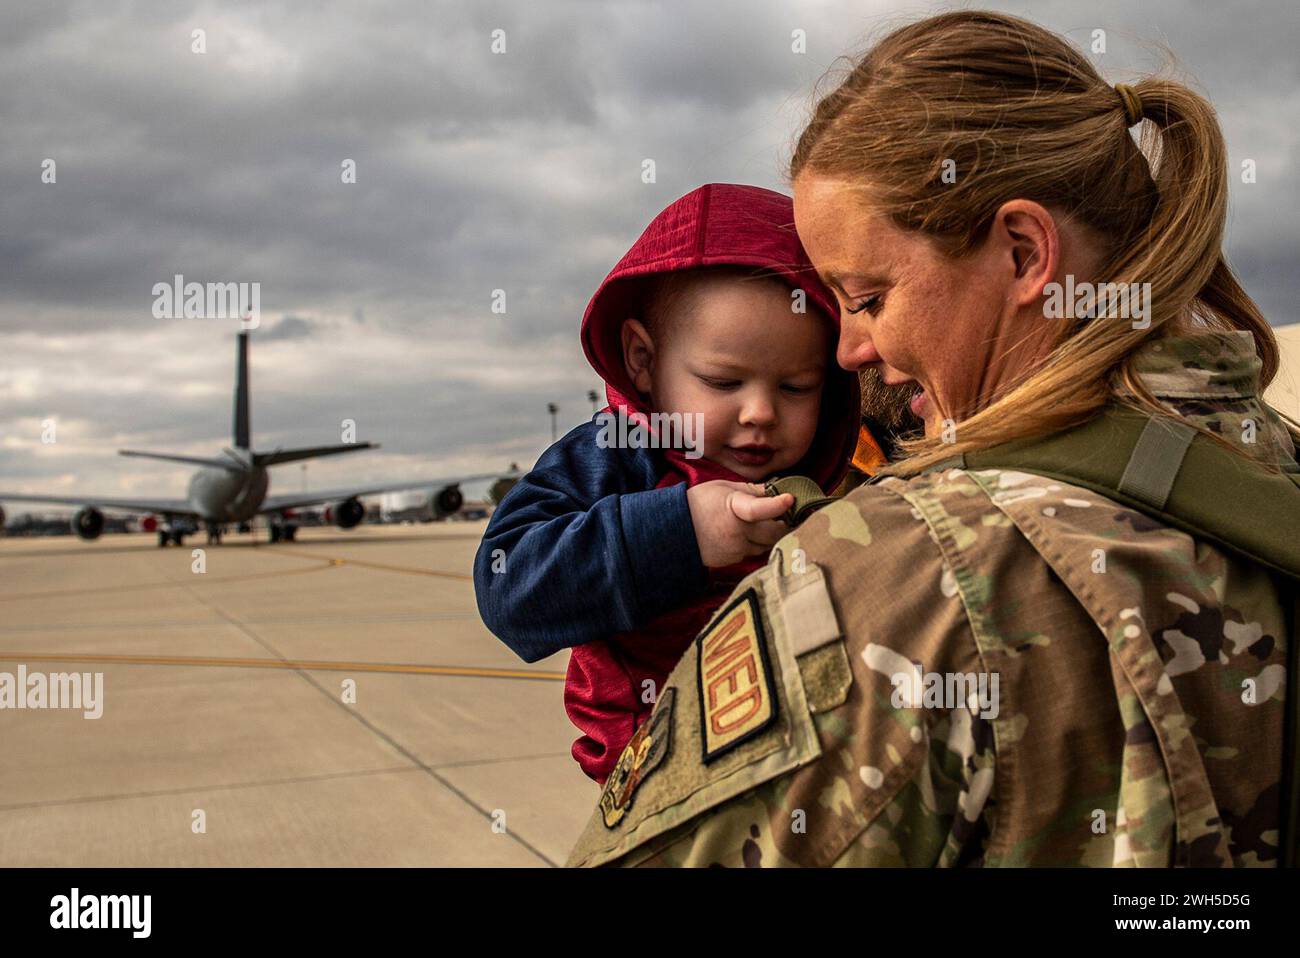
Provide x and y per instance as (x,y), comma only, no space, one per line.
(242,437)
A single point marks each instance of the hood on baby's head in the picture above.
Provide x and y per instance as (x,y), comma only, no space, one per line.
(723,224)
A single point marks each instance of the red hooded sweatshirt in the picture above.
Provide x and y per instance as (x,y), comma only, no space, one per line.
(716,225)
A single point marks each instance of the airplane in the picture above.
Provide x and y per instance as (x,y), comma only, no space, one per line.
(232,487)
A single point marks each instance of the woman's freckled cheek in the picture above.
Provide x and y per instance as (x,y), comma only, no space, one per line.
(921,328)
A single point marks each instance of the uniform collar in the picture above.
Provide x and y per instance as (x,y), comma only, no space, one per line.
(1200,365)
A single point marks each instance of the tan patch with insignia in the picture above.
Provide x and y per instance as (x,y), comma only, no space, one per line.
(737,698)
(648,747)
(758,715)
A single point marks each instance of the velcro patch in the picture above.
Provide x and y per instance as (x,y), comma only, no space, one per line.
(643,754)
(737,697)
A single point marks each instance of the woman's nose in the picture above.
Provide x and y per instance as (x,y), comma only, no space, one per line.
(855,350)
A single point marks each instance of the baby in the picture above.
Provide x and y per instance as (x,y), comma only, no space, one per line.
(716,344)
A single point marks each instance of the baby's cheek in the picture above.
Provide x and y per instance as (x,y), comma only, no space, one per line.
(808,420)
(801,428)
(717,418)
(715,438)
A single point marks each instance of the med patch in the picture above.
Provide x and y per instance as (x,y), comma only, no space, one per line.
(737,696)
(643,754)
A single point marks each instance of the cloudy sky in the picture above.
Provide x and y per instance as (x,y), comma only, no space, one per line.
(475,171)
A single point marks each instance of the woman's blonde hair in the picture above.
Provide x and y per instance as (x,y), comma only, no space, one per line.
(1022,114)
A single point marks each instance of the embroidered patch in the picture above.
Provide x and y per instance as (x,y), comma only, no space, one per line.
(647,749)
(737,697)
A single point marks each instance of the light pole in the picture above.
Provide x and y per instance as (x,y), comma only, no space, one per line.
(552,409)
(593,397)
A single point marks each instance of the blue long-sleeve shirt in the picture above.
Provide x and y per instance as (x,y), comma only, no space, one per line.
(587,547)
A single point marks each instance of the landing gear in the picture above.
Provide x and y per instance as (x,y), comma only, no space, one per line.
(284,532)
(215,531)
(165,537)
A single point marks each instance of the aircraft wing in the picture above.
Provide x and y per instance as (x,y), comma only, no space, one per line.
(171,507)
(300,499)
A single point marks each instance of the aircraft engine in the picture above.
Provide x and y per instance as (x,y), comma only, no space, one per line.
(349,513)
(149,524)
(88,523)
(447,502)
(500,488)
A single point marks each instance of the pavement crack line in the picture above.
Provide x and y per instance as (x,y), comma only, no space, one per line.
(366,723)
(381,566)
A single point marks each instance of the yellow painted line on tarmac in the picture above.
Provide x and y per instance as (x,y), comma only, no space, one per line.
(195,579)
(385,567)
(304,664)
(319,563)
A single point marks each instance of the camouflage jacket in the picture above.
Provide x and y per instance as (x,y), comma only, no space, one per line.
(978,668)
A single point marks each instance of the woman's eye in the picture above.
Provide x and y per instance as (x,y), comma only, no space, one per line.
(870,304)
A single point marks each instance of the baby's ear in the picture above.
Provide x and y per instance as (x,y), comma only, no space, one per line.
(638,354)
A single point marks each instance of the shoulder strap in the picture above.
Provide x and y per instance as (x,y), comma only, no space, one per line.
(1156,460)
(808,497)
(1169,470)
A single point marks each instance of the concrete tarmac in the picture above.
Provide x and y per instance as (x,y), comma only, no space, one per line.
(228,736)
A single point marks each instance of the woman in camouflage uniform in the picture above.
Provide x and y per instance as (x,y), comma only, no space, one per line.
(988,665)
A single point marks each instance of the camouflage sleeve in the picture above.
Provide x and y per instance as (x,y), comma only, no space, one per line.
(803,728)
(987,667)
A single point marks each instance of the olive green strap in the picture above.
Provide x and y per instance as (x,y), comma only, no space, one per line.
(1251,512)
(1155,460)
(808,497)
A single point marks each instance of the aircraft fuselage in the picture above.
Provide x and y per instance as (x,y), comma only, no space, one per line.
(220,495)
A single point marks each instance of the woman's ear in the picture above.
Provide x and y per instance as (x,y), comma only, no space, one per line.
(1028,237)
(638,354)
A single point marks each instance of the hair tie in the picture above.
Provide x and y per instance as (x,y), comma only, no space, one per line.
(1132,103)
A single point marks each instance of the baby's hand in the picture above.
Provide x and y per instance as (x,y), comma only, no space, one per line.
(735,520)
